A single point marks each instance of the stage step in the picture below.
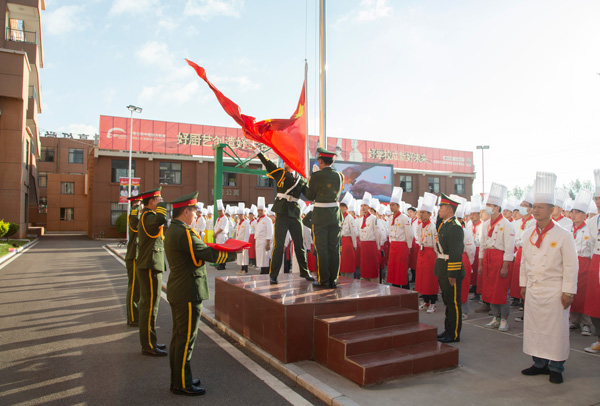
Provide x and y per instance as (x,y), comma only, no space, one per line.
(365,320)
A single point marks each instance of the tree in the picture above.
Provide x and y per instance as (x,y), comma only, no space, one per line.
(12,230)
(121,223)
(518,192)
(576,185)
(3,227)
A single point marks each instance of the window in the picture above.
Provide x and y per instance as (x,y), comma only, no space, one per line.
(27,154)
(434,185)
(116,210)
(119,169)
(42,179)
(229,179)
(75,156)
(43,205)
(67,188)
(406,183)
(170,173)
(264,181)
(47,154)
(66,213)
(459,186)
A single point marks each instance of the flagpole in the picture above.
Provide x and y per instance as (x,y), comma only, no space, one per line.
(306,153)
(322,63)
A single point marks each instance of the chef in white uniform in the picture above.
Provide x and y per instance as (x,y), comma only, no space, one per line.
(263,235)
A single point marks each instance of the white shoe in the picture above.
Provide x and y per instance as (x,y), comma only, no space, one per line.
(424,306)
(519,318)
(594,348)
(586,331)
(495,323)
(431,309)
(573,326)
(465,316)
(503,325)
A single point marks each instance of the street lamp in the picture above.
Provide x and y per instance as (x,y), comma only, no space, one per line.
(482,147)
(132,109)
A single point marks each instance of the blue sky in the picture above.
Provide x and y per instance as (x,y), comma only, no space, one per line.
(520,76)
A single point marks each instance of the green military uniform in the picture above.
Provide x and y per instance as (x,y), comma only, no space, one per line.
(324,188)
(449,248)
(133,288)
(186,289)
(289,189)
(150,264)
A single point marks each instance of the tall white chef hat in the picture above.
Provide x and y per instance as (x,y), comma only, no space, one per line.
(597,182)
(347,200)
(357,204)
(199,206)
(545,186)
(560,196)
(260,204)
(374,204)
(396,195)
(593,208)
(568,204)
(367,199)
(497,194)
(220,205)
(583,200)
(204,212)
(269,207)
(381,209)
(420,203)
(254,209)
(529,196)
(467,208)
(241,206)
(428,203)
(475,203)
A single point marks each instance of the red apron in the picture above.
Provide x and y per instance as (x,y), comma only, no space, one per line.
(592,298)
(347,259)
(479,289)
(426,282)
(252,249)
(397,273)
(466,282)
(495,288)
(357,253)
(311,260)
(383,258)
(369,265)
(475,267)
(414,254)
(578,304)
(515,289)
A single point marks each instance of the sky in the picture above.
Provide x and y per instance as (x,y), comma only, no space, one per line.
(519,76)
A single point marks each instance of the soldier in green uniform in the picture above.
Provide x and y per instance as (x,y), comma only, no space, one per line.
(449,269)
(290,186)
(324,188)
(151,264)
(133,288)
(186,289)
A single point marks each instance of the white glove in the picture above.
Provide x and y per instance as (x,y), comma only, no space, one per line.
(257,151)
(315,168)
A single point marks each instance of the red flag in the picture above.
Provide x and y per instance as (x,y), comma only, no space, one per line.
(286,137)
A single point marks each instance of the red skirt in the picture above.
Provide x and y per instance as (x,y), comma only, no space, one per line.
(479,289)
(347,259)
(495,288)
(357,253)
(383,258)
(515,289)
(397,273)
(466,282)
(252,249)
(369,265)
(578,305)
(414,254)
(311,260)
(592,298)
(475,267)
(426,282)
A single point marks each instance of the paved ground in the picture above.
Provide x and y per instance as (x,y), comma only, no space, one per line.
(64,341)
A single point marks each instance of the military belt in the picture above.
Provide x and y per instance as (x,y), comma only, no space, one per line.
(332,204)
(287,197)
(443,256)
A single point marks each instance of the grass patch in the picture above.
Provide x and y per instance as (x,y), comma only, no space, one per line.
(4,245)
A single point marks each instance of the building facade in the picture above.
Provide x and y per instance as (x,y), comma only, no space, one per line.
(21,58)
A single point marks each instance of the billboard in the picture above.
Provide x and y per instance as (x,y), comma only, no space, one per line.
(124,189)
(361,177)
(162,137)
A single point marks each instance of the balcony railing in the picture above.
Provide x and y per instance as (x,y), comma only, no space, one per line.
(29,37)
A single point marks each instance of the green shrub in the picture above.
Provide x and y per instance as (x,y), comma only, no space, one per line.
(3,227)
(12,230)
(121,223)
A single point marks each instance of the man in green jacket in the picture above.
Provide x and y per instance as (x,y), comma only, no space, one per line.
(449,268)
(151,264)
(324,188)
(186,289)
(133,288)
(290,186)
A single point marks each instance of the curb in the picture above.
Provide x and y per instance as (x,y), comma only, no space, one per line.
(17,251)
(324,392)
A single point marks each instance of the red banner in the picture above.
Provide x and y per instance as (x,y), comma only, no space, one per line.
(161,137)
(124,189)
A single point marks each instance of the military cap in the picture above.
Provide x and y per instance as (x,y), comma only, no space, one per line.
(187,200)
(322,152)
(134,198)
(446,200)
(150,193)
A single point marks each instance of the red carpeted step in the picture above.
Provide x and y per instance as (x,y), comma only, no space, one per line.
(369,319)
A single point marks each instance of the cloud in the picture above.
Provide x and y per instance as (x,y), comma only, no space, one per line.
(64,20)
(368,10)
(132,6)
(207,9)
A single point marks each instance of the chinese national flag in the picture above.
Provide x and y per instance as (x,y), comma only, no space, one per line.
(286,137)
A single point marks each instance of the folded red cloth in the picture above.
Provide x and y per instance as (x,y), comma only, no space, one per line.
(230,245)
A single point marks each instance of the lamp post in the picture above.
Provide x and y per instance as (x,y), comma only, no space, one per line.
(132,109)
(482,147)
